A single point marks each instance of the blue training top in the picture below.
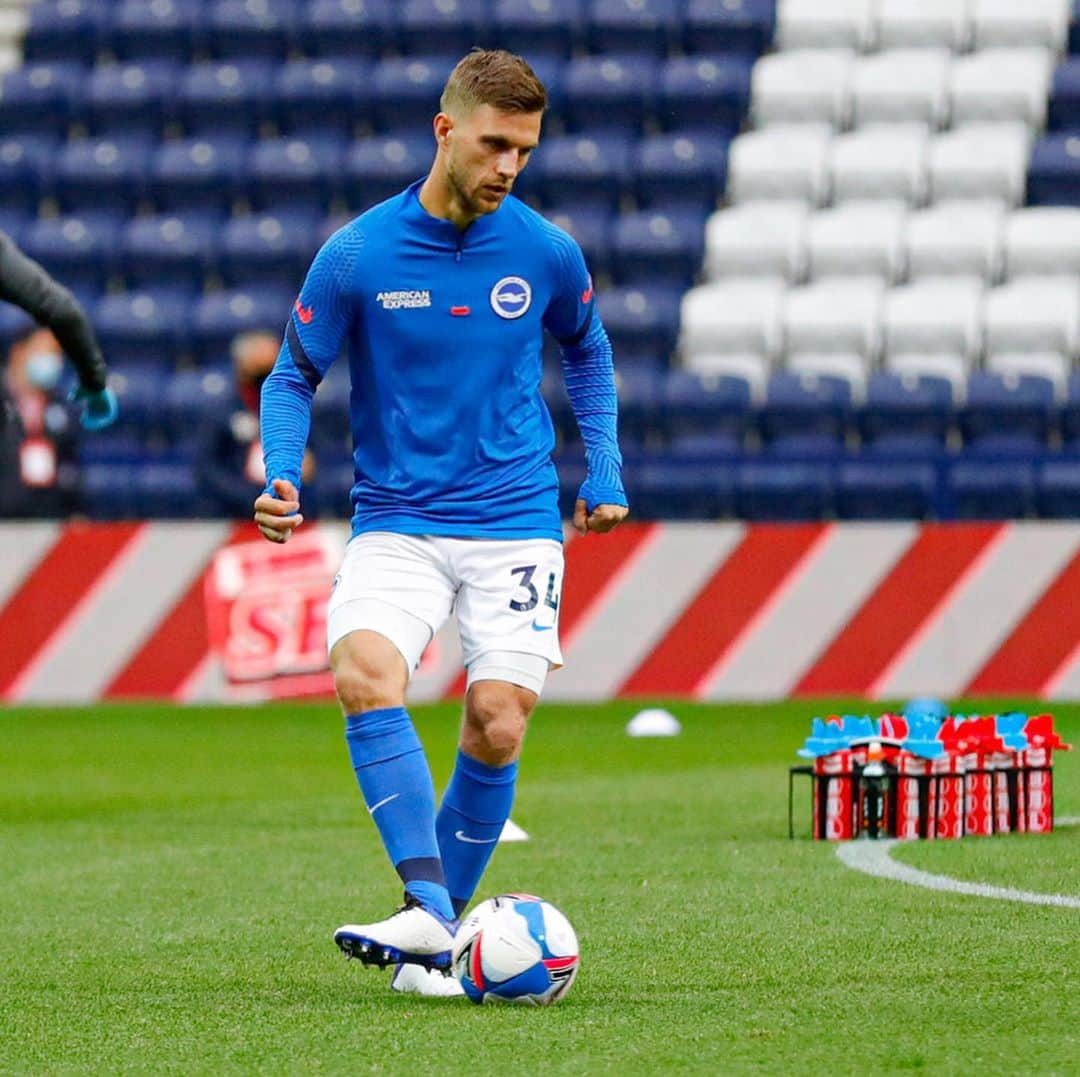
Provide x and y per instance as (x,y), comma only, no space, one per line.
(444,334)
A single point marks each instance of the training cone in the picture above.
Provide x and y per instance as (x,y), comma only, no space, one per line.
(654,722)
(512,832)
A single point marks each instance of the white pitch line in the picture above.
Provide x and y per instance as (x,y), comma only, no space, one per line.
(875,858)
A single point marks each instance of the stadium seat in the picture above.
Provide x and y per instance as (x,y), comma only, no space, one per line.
(138,388)
(816,24)
(26,164)
(1069,413)
(250,29)
(1052,367)
(780,162)
(868,490)
(924,24)
(991,489)
(65,30)
(694,403)
(802,86)
(704,92)
(197,173)
(658,246)
(980,161)
(757,239)
(1034,314)
(14,323)
(591,226)
(112,446)
(330,425)
(641,322)
(641,395)
(175,250)
(680,168)
(998,405)
(901,86)
(901,408)
(1065,96)
(846,367)
(797,405)
(608,91)
(671,489)
(934,316)
(549,27)
(736,317)
(344,28)
(294,173)
(270,248)
(218,317)
(1040,23)
(839,315)
(858,239)
(809,446)
(107,491)
(1057,494)
(13,221)
(130,98)
(163,30)
(227,96)
(406,90)
(643,26)
(745,27)
(902,447)
(188,395)
(78,250)
(317,95)
(457,25)
(745,367)
(1054,173)
(161,485)
(783,490)
(39,99)
(1043,241)
(946,368)
(880,161)
(1001,85)
(956,238)
(102,174)
(583,168)
(142,328)
(379,166)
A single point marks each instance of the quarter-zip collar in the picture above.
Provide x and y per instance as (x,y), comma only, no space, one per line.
(442,231)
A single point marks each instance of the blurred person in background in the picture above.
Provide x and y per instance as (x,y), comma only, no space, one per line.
(229,458)
(38,443)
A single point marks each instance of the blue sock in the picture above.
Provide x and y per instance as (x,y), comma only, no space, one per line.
(396,782)
(475,807)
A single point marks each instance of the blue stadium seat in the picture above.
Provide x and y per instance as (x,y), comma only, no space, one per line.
(39,99)
(670,489)
(197,173)
(165,489)
(1054,171)
(65,30)
(804,405)
(249,29)
(905,407)
(591,227)
(695,404)
(534,28)
(1069,411)
(107,491)
(330,94)
(143,328)
(26,164)
(1065,96)
(295,173)
(13,221)
(228,96)
(875,491)
(14,323)
(187,397)
(102,174)
(175,250)
(784,490)
(999,405)
(644,26)
(347,28)
(904,447)
(680,168)
(583,168)
(744,26)
(991,489)
(1058,492)
(641,322)
(641,401)
(709,93)
(808,446)
(111,446)
(406,91)
(139,390)
(77,250)
(271,248)
(1074,28)
(330,429)
(131,98)
(707,447)
(457,25)
(378,167)
(164,30)
(217,318)
(655,246)
(608,91)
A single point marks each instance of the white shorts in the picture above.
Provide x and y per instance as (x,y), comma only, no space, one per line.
(505,594)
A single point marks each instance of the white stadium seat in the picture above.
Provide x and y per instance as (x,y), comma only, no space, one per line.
(956,238)
(944,365)
(736,317)
(856,239)
(1044,23)
(924,24)
(1050,366)
(746,366)
(998,85)
(1043,241)
(816,24)
(881,161)
(757,239)
(980,161)
(842,365)
(839,315)
(940,315)
(901,86)
(802,86)
(1034,314)
(782,162)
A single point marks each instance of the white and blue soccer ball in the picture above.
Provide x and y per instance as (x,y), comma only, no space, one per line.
(515,948)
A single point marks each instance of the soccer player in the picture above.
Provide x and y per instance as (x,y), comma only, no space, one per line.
(442,294)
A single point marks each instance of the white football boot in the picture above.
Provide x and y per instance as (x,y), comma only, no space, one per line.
(414,935)
(417,980)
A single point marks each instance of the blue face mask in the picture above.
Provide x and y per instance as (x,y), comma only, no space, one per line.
(43,370)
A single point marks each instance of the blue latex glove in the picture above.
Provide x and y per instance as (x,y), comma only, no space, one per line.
(99,407)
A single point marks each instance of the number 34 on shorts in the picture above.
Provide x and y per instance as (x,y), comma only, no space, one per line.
(527,599)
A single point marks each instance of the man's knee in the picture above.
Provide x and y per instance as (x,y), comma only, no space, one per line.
(496,714)
(369,673)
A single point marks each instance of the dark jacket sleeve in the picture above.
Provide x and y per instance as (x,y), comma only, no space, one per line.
(24,283)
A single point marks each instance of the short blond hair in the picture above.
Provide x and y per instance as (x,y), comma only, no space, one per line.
(493,77)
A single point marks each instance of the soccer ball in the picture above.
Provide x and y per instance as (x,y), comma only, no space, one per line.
(515,948)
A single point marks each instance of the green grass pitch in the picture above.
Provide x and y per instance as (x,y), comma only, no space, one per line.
(170,879)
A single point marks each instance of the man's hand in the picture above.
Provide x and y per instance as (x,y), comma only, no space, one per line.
(602,518)
(99,407)
(278,514)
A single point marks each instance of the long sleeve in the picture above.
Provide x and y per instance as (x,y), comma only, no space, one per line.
(24,283)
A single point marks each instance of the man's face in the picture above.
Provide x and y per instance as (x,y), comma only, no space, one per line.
(486,149)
